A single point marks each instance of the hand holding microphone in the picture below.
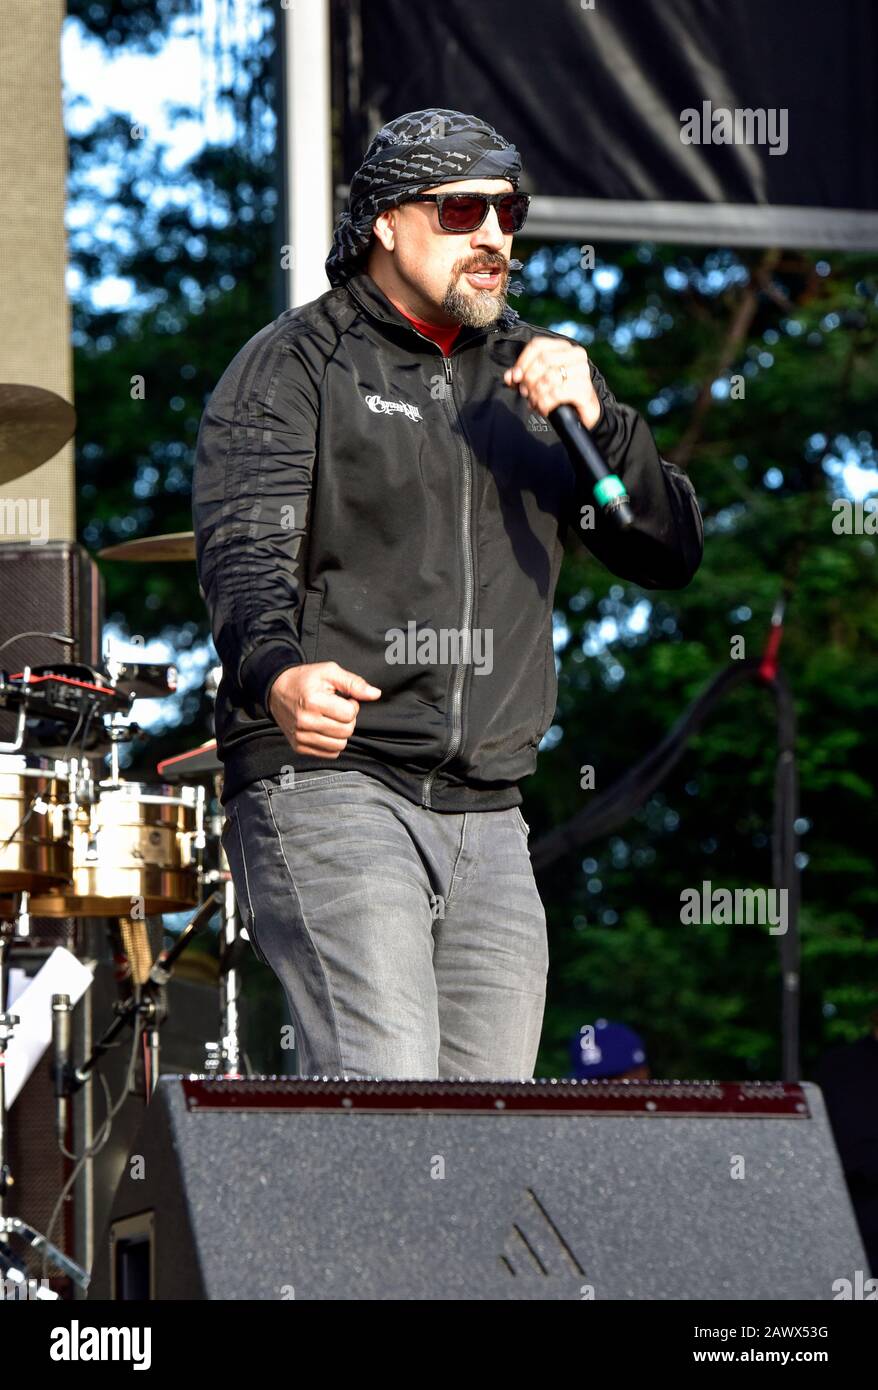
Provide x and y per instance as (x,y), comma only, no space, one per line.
(555,378)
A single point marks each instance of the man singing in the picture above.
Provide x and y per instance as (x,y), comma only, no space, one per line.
(381,509)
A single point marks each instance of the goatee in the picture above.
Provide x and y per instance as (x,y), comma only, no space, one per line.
(475,310)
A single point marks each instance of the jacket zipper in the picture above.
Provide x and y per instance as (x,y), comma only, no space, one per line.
(466,539)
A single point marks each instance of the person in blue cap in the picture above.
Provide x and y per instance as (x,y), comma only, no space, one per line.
(605,1050)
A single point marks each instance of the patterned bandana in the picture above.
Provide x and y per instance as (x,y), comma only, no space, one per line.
(408,155)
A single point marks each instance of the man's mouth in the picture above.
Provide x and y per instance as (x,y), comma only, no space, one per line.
(485,278)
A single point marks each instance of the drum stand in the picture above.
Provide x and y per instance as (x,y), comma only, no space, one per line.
(147,1002)
(223,1058)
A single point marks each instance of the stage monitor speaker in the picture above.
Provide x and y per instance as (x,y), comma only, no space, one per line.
(331,1189)
(55,587)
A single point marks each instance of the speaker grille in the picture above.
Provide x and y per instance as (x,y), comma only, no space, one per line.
(47,588)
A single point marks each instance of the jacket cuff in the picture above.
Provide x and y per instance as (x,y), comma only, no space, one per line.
(262,668)
(603,431)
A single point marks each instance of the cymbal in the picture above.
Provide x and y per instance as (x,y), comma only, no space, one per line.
(177,545)
(34,425)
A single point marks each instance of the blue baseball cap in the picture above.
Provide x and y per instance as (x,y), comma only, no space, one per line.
(605,1048)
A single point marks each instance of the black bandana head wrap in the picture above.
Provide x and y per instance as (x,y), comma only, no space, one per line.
(408,155)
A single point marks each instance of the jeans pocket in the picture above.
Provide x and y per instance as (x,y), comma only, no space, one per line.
(522,822)
(302,781)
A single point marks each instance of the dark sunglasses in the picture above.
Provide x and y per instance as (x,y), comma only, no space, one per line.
(464,212)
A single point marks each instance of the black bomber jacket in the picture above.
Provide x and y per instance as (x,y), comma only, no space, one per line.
(358,497)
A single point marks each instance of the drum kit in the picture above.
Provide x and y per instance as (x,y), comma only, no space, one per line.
(80,841)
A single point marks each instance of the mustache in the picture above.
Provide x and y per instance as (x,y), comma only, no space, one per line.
(485,265)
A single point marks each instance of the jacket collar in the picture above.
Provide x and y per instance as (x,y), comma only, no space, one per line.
(372,298)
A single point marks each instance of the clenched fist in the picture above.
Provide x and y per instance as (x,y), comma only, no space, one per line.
(306,707)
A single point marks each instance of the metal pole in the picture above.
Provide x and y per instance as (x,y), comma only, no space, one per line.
(306,118)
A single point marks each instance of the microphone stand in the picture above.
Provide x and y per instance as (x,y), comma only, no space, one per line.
(147,1001)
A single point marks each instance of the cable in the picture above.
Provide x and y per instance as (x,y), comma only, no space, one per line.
(100,1139)
(58,637)
(619,802)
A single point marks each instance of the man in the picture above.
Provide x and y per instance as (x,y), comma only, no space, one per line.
(380,510)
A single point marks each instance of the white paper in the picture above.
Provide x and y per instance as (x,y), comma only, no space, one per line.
(61,974)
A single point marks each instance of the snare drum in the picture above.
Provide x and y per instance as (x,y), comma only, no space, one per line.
(136,851)
(34,846)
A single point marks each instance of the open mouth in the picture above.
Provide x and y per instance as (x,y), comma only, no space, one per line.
(487,278)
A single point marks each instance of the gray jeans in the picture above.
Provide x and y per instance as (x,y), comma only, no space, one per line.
(410,943)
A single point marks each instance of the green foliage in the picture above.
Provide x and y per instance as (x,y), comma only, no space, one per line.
(707,998)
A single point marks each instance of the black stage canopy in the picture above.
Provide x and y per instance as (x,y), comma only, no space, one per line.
(740,122)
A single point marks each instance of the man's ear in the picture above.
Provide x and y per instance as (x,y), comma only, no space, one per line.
(384,228)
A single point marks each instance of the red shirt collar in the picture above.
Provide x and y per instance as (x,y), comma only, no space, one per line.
(443,336)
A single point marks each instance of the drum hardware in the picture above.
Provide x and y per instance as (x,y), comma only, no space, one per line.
(203,763)
(142,680)
(229,1049)
(18,741)
(34,850)
(126,851)
(136,852)
(107,847)
(134,941)
(35,856)
(100,846)
(118,733)
(13,1226)
(147,1004)
(60,697)
(136,849)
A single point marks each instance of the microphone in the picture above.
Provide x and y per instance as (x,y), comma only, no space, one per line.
(61,1019)
(608,489)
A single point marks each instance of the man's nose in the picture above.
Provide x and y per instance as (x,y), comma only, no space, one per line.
(489,234)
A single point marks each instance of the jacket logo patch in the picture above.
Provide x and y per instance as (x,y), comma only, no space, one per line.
(382,407)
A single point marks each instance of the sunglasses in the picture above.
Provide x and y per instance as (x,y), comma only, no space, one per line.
(464,212)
